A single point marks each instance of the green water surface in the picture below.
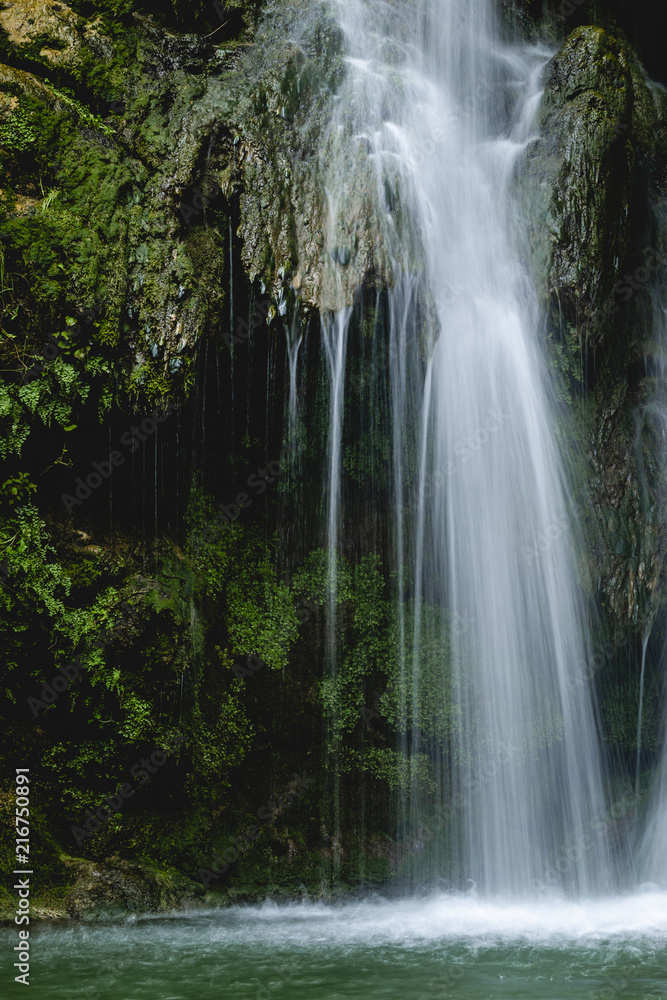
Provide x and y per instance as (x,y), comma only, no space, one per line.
(438,947)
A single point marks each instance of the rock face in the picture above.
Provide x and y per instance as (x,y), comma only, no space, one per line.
(52,32)
(202,141)
(590,180)
(598,127)
(117,889)
(285,149)
(118,178)
(169,178)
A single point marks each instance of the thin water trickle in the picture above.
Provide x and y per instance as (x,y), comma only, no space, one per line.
(294,338)
(428,87)
(232,329)
(642,675)
(334,339)
(653,848)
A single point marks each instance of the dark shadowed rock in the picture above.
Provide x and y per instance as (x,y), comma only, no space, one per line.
(117,888)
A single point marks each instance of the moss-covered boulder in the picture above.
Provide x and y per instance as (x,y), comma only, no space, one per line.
(586,170)
(117,888)
(52,33)
(591,182)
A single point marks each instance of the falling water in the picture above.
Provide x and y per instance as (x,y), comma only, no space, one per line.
(294,338)
(642,676)
(334,335)
(476,475)
(653,852)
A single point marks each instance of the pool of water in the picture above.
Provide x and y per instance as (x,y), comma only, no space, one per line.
(431,948)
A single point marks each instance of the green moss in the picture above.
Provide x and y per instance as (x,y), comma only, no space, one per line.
(233,566)
(18,134)
(45,856)
(83,115)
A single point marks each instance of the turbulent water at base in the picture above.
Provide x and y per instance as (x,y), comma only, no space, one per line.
(443,110)
(430,949)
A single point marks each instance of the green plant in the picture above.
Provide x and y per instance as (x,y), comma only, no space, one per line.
(567,362)
(18,133)
(85,116)
(16,490)
(49,199)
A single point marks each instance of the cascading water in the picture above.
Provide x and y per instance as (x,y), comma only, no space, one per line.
(428,103)
(653,849)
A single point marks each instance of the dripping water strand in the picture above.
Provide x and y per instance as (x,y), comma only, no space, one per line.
(645,638)
(334,334)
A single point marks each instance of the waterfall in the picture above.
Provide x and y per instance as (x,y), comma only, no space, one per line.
(439,111)
(334,336)
(653,847)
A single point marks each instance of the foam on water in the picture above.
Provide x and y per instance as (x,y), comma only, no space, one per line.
(430,947)
(554,922)
(373,923)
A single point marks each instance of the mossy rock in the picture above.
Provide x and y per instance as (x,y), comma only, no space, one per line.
(115,888)
(583,178)
(50,33)
(45,858)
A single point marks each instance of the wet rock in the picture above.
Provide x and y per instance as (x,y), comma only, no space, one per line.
(341,255)
(598,118)
(283,120)
(587,182)
(62,35)
(16,81)
(117,888)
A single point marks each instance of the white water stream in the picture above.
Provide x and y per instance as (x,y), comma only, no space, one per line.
(444,110)
(652,856)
